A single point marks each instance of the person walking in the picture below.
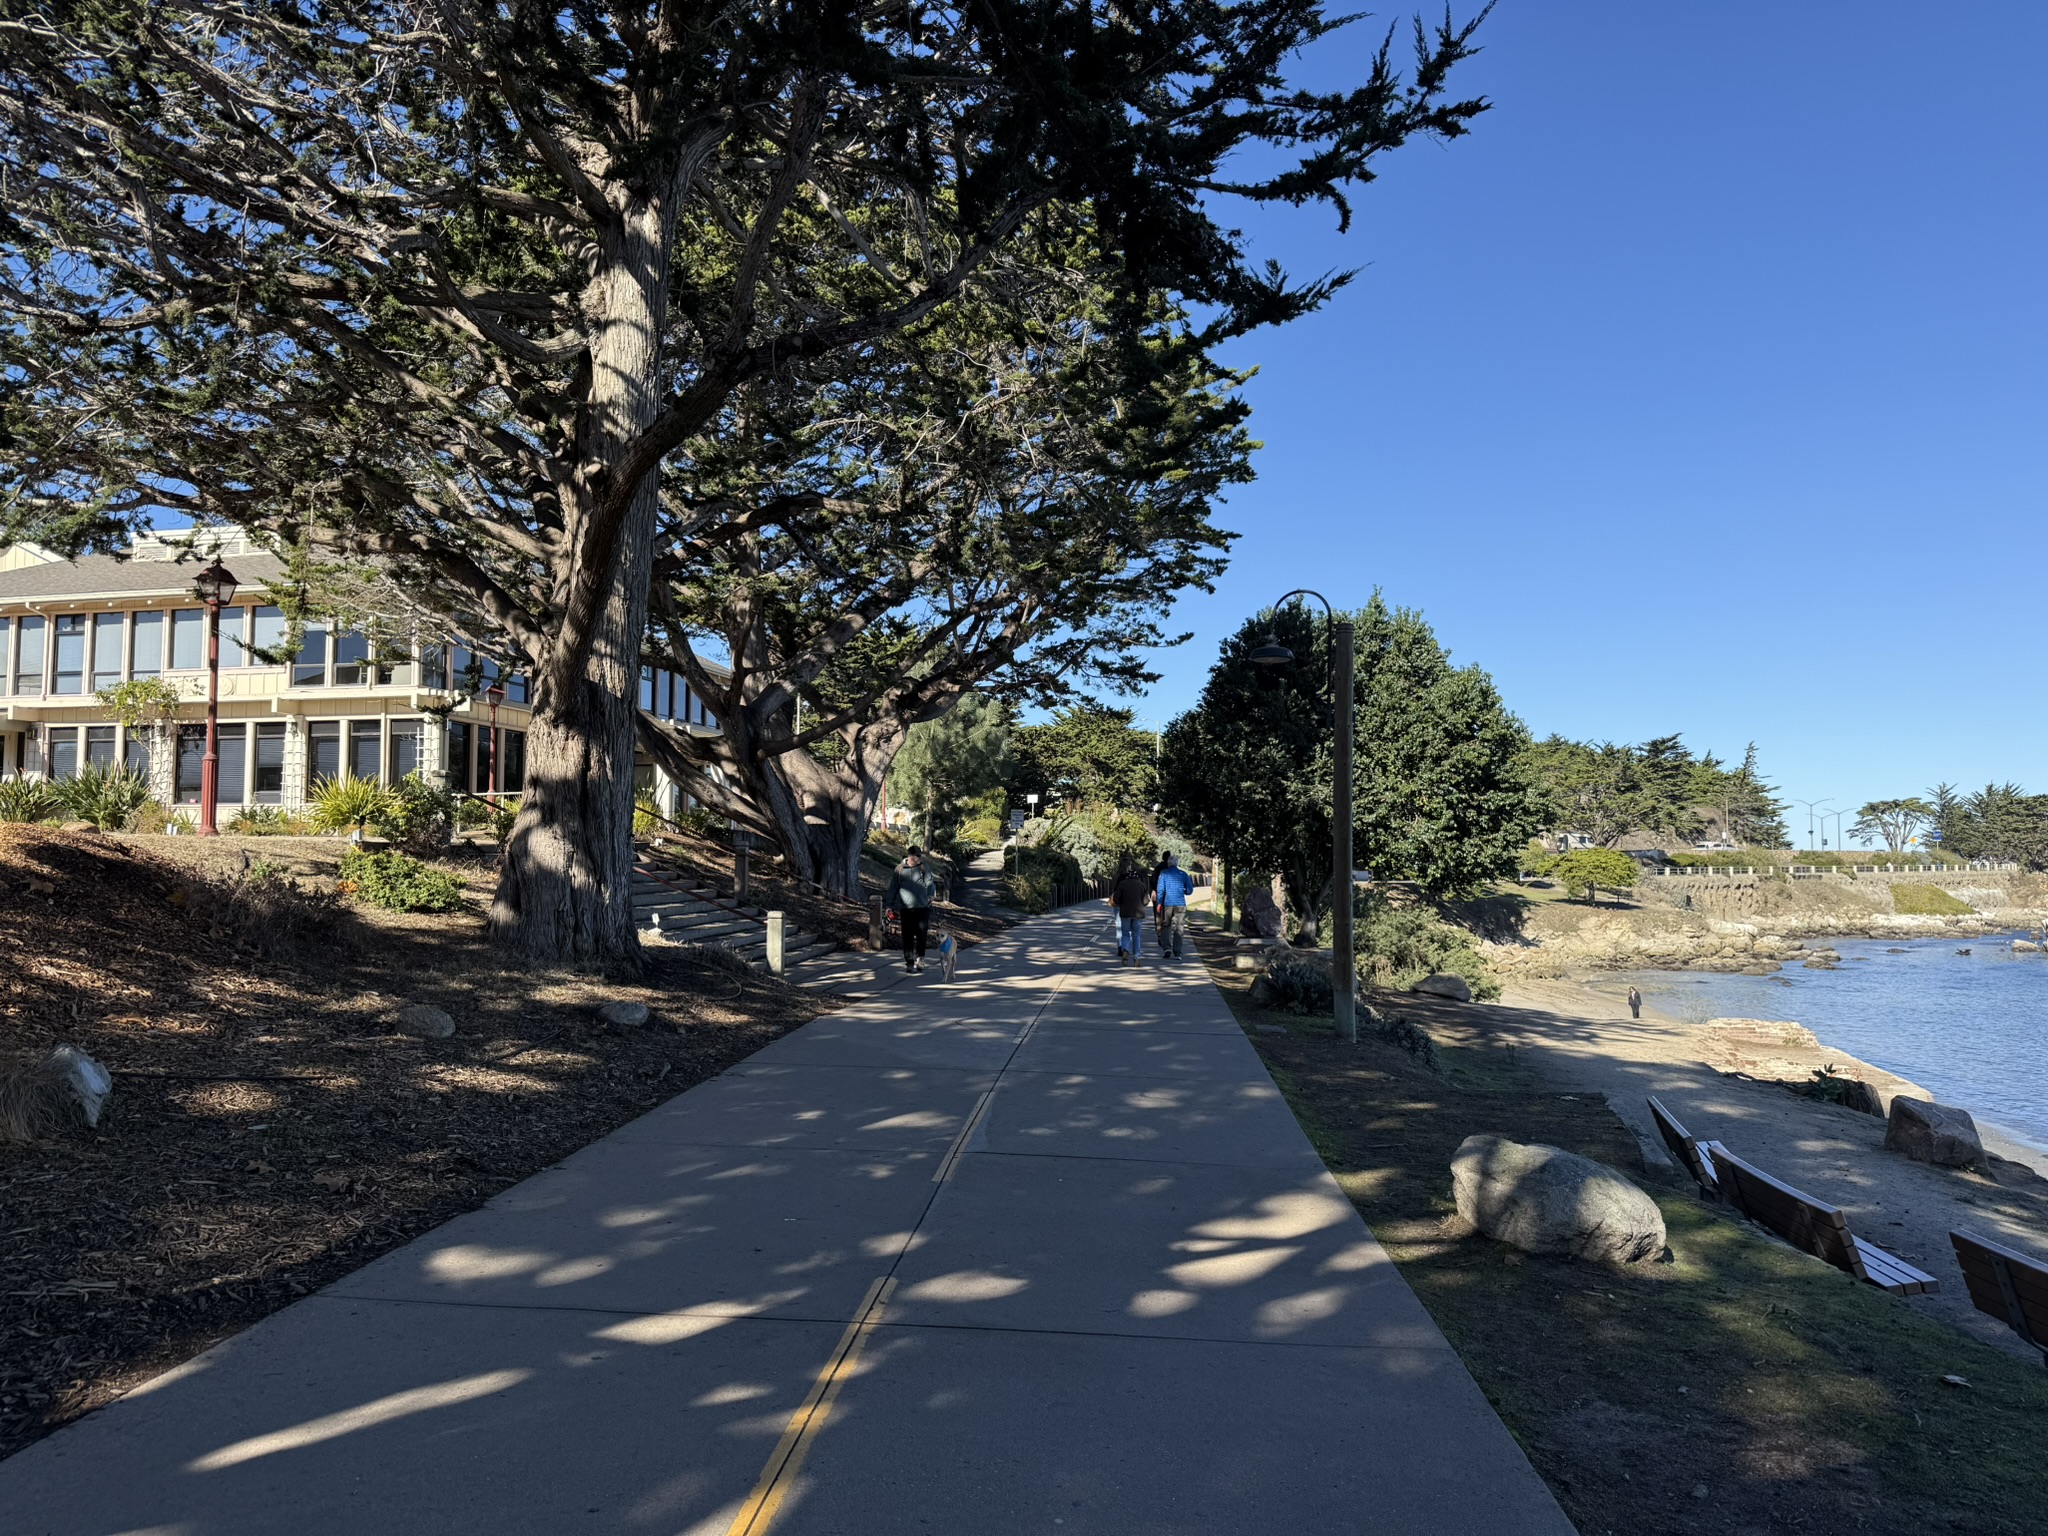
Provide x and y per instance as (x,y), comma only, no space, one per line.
(1172,890)
(1130,896)
(1635,1003)
(1158,907)
(911,894)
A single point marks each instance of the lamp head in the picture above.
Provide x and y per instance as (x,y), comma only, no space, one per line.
(1272,653)
(215,584)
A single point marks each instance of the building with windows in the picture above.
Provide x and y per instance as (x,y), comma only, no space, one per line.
(374,706)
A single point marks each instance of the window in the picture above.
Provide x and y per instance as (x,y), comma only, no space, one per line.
(99,746)
(310,670)
(234,764)
(365,748)
(191,762)
(513,775)
(647,689)
(106,650)
(486,761)
(148,658)
(136,753)
(28,654)
(351,660)
(4,676)
(433,666)
(269,783)
(188,639)
(269,634)
(234,635)
(515,688)
(61,753)
(323,751)
(458,756)
(405,749)
(68,675)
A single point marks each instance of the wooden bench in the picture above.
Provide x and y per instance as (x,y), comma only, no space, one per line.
(1686,1150)
(2009,1286)
(1813,1226)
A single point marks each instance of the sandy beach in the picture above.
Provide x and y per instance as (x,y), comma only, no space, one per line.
(1724,1085)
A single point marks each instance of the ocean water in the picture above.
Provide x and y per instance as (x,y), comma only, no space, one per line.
(1970,1029)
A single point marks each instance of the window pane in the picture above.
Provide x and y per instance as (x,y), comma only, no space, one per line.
(136,753)
(28,654)
(351,652)
(310,670)
(513,775)
(647,691)
(269,764)
(106,650)
(234,763)
(63,752)
(149,645)
(405,749)
(323,751)
(99,745)
(234,633)
(5,677)
(188,639)
(458,757)
(191,762)
(486,765)
(433,666)
(515,688)
(269,634)
(68,675)
(365,748)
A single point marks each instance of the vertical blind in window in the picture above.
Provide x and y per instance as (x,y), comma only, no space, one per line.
(28,654)
(99,746)
(188,639)
(405,749)
(149,645)
(63,751)
(365,748)
(269,782)
(234,763)
(6,675)
(323,751)
(191,762)
(68,674)
(106,650)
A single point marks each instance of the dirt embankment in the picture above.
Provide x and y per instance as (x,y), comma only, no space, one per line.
(268,1129)
(1777,922)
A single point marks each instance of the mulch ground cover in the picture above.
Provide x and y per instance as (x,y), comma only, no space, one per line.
(1737,1387)
(268,1130)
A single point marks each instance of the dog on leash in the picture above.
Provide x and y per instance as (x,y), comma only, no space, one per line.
(949,952)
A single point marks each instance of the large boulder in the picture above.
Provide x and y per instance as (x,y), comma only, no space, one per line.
(423,1021)
(1933,1133)
(1546,1200)
(1259,916)
(1444,984)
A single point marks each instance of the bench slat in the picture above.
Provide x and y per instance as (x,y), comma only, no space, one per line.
(1684,1147)
(2006,1285)
(1806,1223)
(1892,1273)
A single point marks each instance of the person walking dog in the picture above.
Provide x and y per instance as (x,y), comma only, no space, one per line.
(910,895)
(1130,897)
(1172,891)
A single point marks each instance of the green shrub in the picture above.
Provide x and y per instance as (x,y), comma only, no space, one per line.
(1928,901)
(1586,871)
(472,812)
(1033,878)
(106,797)
(260,821)
(348,804)
(504,812)
(700,823)
(1398,946)
(398,882)
(1295,984)
(648,818)
(983,832)
(419,817)
(152,817)
(28,800)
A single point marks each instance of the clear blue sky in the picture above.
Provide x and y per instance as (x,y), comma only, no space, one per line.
(1700,389)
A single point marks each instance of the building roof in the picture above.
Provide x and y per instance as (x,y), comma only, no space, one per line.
(112,576)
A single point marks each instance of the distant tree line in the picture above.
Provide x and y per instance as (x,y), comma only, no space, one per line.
(1608,792)
(2001,822)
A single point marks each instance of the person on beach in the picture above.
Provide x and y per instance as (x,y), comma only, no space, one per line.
(1172,891)
(1130,897)
(1635,1003)
(910,897)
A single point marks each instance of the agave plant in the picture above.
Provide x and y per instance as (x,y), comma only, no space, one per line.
(28,800)
(108,797)
(349,804)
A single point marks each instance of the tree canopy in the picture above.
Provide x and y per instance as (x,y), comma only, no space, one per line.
(1442,796)
(1089,753)
(1896,821)
(1999,821)
(950,760)
(1607,792)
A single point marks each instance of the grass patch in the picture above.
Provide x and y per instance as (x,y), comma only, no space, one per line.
(1928,901)
(1738,1387)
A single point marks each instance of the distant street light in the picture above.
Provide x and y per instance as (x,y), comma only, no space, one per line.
(1343,962)
(215,587)
(1809,804)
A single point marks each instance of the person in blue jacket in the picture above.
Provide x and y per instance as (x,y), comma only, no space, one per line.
(1172,890)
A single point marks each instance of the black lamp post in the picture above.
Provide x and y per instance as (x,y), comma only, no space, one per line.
(496,695)
(215,587)
(1343,960)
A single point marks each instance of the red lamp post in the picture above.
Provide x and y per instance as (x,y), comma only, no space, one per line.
(215,587)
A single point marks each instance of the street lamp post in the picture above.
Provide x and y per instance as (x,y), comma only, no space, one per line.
(215,587)
(1810,813)
(495,695)
(1017,842)
(1343,961)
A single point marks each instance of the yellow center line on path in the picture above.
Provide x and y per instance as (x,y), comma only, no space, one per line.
(765,1502)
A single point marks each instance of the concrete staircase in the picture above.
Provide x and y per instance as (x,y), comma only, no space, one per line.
(693,912)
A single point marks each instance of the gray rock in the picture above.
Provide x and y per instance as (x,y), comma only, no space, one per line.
(1933,1133)
(1860,1096)
(1259,916)
(423,1021)
(624,1015)
(1546,1200)
(1444,984)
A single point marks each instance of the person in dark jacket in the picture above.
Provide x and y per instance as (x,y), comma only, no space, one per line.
(1130,897)
(911,894)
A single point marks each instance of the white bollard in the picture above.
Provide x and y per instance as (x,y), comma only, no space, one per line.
(775,932)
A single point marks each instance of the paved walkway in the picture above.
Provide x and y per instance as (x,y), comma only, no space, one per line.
(1042,1251)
